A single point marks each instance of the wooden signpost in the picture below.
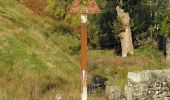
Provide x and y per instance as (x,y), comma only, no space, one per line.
(84,7)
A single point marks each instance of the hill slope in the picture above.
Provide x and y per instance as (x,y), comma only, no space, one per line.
(36,59)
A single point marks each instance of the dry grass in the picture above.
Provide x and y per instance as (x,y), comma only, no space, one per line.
(36,5)
(97,98)
(35,61)
(116,68)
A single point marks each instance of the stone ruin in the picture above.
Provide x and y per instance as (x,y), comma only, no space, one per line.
(148,85)
(141,85)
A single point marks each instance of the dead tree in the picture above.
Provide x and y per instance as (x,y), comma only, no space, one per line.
(126,35)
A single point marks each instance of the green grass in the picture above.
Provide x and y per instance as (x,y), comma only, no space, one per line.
(36,61)
(150,51)
(116,68)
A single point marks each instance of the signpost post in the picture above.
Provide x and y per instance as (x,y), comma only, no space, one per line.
(84,7)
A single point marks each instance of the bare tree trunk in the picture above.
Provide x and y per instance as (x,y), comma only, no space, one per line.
(126,35)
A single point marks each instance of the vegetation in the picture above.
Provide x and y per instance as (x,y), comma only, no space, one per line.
(115,68)
(40,45)
(36,59)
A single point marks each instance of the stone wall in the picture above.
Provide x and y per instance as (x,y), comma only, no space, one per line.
(148,85)
(113,92)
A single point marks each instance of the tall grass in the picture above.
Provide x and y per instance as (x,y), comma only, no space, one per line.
(116,68)
(36,61)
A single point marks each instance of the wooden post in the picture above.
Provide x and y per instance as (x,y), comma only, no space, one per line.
(84,56)
(90,8)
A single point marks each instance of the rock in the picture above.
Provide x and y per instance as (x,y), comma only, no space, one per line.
(58,97)
(148,85)
(167,93)
(138,76)
(97,85)
(167,98)
(129,93)
(164,84)
(165,88)
(113,92)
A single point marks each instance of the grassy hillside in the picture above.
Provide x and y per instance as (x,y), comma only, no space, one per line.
(36,60)
(39,58)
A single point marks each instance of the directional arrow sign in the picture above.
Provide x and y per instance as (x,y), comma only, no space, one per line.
(84,7)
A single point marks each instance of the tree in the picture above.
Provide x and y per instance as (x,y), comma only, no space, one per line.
(58,9)
(115,33)
(125,34)
(108,39)
(164,21)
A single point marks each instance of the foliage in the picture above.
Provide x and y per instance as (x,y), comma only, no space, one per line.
(93,31)
(109,25)
(165,27)
(164,18)
(146,16)
(117,27)
(115,68)
(59,9)
(107,39)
